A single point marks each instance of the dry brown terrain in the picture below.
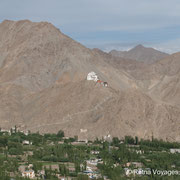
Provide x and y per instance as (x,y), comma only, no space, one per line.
(43,87)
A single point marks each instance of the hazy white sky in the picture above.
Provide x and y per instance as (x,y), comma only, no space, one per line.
(106,24)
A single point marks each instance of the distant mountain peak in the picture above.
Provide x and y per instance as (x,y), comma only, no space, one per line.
(139,46)
(141,53)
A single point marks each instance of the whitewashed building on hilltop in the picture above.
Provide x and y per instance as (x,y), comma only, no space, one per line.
(92,76)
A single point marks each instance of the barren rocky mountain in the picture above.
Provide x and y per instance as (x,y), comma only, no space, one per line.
(141,53)
(43,87)
(167,88)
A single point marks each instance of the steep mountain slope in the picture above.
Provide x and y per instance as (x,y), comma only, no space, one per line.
(168,87)
(35,55)
(43,87)
(95,111)
(140,53)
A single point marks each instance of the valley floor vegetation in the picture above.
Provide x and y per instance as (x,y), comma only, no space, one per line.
(54,156)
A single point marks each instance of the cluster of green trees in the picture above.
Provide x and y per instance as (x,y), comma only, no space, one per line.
(114,154)
(155,155)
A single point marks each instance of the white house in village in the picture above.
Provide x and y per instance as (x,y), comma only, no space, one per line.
(26,142)
(91,174)
(29,173)
(174,151)
(94,152)
(92,76)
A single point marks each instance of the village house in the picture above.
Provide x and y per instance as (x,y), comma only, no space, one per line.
(54,167)
(41,173)
(78,143)
(90,167)
(92,174)
(93,161)
(65,138)
(26,171)
(139,152)
(60,142)
(174,151)
(29,174)
(5,131)
(26,132)
(135,164)
(95,152)
(26,142)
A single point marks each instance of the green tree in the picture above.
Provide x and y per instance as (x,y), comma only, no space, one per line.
(115,141)
(129,140)
(82,177)
(60,134)
(136,140)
